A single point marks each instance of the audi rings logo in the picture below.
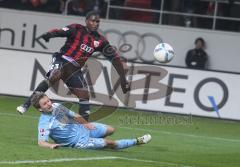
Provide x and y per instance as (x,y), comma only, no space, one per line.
(86,48)
(132,45)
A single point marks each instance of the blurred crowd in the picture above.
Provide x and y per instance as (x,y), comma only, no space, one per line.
(192,9)
(74,7)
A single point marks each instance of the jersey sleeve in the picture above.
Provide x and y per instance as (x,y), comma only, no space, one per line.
(43,132)
(67,111)
(71,114)
(66,31)
(109,51)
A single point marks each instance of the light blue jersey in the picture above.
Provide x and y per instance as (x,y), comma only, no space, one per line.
(60,126)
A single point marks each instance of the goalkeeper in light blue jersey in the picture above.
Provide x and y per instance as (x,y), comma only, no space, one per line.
(68,129)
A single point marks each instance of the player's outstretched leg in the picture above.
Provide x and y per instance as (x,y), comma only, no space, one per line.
(125,143)
(42,87)
(101,143)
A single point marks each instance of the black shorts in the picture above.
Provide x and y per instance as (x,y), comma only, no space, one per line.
(70,74)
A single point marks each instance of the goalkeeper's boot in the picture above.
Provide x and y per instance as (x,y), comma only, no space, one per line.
(144,139)
(22,109)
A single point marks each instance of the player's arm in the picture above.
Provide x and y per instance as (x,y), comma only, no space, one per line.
(47,144)
(63,32)
(111,54)
(78,118)
(43,137)
(117,64)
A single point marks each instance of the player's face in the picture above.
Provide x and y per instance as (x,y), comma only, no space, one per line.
(92,23)
(45,104)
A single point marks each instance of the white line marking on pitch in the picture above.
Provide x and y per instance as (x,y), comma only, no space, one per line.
(158,162)
(87,159)
(55,160)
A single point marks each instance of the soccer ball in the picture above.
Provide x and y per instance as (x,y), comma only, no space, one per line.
(163,53)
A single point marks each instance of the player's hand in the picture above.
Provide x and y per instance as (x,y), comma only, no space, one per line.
(125,87)
(45,36)
(89,126)
(54,146)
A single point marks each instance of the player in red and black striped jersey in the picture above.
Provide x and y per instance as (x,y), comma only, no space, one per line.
(81,43)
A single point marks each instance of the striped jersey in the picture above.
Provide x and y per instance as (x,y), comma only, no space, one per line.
(81,44)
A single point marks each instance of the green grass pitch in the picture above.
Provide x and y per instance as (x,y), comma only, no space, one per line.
(178,141)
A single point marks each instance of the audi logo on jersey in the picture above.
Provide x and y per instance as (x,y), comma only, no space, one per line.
(86,48)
